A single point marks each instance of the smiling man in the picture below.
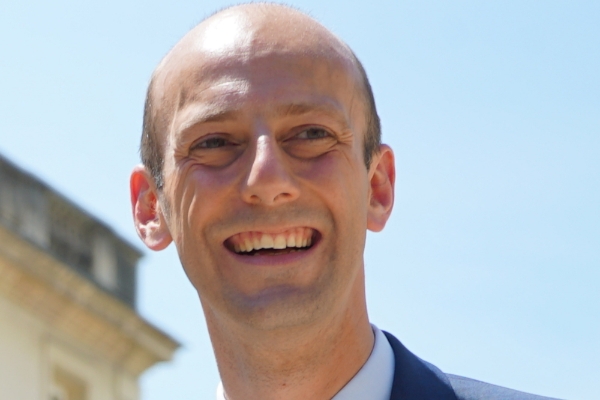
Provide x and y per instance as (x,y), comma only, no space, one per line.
(262,162)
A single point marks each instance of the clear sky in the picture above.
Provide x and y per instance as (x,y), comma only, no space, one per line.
(490,264)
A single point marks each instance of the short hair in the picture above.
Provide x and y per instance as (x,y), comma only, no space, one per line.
(152,153)
(372,140)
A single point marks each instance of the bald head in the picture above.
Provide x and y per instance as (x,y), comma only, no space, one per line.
(233,39)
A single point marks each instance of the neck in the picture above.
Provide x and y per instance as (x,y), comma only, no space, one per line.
(294,363)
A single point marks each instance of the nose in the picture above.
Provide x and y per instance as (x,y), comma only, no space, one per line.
(269,181)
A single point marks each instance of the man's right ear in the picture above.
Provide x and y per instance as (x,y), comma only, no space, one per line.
(148,217)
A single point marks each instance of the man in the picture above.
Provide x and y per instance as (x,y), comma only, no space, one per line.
(263,164)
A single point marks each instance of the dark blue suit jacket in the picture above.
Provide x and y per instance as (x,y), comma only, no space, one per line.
(415,379)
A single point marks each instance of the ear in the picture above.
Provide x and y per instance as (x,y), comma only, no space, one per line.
(382,176)
(148,216)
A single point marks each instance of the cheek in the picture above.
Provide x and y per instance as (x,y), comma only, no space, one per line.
(204,198)
(339,169)
(197,206)
(204,193)
(340,181)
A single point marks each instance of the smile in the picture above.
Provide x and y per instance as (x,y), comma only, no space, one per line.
(263,243)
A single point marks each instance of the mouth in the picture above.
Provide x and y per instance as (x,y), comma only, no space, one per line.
(271,244)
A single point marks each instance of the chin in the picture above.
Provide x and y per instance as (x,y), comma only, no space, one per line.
(281,307)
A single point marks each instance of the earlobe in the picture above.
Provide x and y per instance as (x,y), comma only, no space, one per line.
(148,217)
(382,176)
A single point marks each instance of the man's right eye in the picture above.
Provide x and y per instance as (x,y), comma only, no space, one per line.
(217,150)
(212,143)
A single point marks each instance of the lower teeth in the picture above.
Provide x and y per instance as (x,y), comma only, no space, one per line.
(271,252)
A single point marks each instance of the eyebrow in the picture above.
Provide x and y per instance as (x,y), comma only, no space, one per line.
(211,116)
(284,110)
(305,108)
(299,109)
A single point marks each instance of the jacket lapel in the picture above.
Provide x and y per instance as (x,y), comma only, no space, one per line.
(415,379)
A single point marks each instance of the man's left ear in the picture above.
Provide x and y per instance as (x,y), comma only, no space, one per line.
(382,176)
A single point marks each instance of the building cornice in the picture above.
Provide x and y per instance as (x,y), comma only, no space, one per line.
(65,300)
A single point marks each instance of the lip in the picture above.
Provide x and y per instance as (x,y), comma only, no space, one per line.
(272,230)
(279,259)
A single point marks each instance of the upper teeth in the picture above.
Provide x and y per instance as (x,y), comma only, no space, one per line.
(250,241)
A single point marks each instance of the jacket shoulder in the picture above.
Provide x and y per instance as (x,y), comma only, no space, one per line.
(471,389)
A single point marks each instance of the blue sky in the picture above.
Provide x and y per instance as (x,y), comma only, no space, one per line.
(490,264)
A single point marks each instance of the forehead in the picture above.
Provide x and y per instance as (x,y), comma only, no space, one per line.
(267,78)
(267,88)
(238,55)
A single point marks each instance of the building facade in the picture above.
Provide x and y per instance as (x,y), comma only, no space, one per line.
(69,329)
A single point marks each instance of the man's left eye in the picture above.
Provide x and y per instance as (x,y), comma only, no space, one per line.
(312,133)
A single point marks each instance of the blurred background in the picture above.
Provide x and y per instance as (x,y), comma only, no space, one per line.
(490,264)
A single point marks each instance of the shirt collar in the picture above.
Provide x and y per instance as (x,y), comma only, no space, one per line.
(373,381)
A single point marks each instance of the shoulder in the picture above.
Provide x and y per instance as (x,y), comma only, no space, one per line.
(471,389)
(416,379)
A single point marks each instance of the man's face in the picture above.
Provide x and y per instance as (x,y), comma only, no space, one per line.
(265,184)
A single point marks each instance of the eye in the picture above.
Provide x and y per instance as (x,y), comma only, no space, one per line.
(312,133)
(212,143)
(310,141)
(215,150)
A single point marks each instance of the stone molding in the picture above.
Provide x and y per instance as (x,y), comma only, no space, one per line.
(67,301)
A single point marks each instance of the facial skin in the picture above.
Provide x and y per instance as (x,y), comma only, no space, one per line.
(264,123)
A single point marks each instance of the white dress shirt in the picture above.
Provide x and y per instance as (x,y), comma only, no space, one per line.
(373,381)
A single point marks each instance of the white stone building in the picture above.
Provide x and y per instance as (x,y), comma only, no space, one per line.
(68,325)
